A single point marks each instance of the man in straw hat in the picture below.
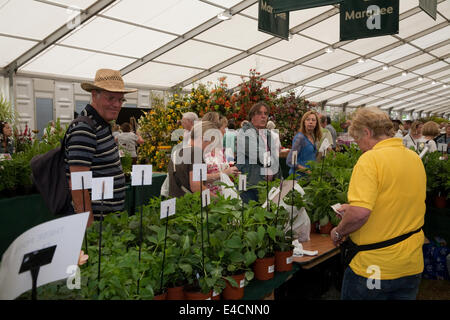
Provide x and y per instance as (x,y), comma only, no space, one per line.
(89,149)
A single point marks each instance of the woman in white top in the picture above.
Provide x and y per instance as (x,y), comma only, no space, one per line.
(430,131)
(127,140)
(415,137)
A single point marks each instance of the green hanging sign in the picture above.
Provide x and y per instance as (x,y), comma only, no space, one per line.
(276,24)
(429,6)
(292,5)
(368,18)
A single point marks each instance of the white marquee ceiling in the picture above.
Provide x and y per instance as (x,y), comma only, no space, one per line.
(180,43)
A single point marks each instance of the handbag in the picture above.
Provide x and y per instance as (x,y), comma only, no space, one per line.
(349,249)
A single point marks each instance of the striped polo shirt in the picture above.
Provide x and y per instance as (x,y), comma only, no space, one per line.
(97,150)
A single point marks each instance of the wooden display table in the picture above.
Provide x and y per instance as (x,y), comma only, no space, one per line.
(321,243)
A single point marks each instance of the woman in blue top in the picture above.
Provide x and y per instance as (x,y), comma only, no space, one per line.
(304,143)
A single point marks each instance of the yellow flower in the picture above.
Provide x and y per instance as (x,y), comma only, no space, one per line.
(175,95)
(172,103)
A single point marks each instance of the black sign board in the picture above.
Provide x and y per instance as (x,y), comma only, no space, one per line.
(370,18)
(269,22)
(292,5)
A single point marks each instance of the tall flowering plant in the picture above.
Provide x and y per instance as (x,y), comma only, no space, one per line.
(289,111)
(22,139)
(197,100)
(220,99)
(156,127)
(250,92)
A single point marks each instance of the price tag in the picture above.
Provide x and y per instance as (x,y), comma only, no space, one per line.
(168,208)
(271,269)
(199,172)
(289,260)
(140,170)
(206,197)
(81,179)
(242,283)
(103,186)
(242,182)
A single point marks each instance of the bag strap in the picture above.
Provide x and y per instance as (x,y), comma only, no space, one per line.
(385,243)
(84,119)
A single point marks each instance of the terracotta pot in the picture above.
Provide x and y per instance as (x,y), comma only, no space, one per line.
(264,268)
(196,295)
(326,229)
(175,293)
(440,202)
(234,293)
(162,296)
(283,260)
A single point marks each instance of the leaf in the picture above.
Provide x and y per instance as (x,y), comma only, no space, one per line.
(249,258)
(234,243)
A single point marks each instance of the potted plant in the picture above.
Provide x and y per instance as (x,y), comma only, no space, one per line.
(438,184)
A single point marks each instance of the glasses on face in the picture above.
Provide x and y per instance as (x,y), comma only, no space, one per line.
(113,99)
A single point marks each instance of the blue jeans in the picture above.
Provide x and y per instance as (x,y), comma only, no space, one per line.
(354,287)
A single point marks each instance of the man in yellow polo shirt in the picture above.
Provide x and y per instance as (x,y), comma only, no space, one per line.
(386,199)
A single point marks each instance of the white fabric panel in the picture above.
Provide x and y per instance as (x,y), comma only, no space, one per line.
(439,74)
(352,85)
(213,79)
(367,45)
(296,74)
(327,80)
(328,61)
(225,3)
(392,91)
(169,15)
(293,49)
(407,64)
(432,38)
(444,9)
(360,67)
(158,74)
(373,88)
(382,74)
(73,62)
(412,83)
(417,23)
(347,98)
(366,101)
(261,64)
(13,48)
(239,32)
(326,31)
(396,53)
(431,67)
(444,50)
(197,54)
(82,4)
(304,90)
(406,5)
(118,38)
(301,16)
(400,79)
(31,19)
(273,86)
(326,95)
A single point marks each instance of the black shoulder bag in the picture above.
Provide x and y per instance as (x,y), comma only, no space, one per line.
(349,249)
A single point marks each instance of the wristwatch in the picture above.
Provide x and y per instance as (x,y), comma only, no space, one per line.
(338,236)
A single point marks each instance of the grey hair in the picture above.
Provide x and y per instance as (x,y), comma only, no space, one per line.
(190,116)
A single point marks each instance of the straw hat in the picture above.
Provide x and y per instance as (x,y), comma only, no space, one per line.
(108,80)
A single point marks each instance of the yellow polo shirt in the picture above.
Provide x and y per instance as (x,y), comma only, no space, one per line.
(390,181)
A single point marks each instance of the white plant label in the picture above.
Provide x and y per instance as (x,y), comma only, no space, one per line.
(442,147)
(140,170)
(168,208)
(271,269)
(294,158)
(206,197)
(102,185)
(289,260)
(242,182)
(272,194)
(267,162)
(199,172)
(81,179)
(336,207)
(299,189)
(242,283)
